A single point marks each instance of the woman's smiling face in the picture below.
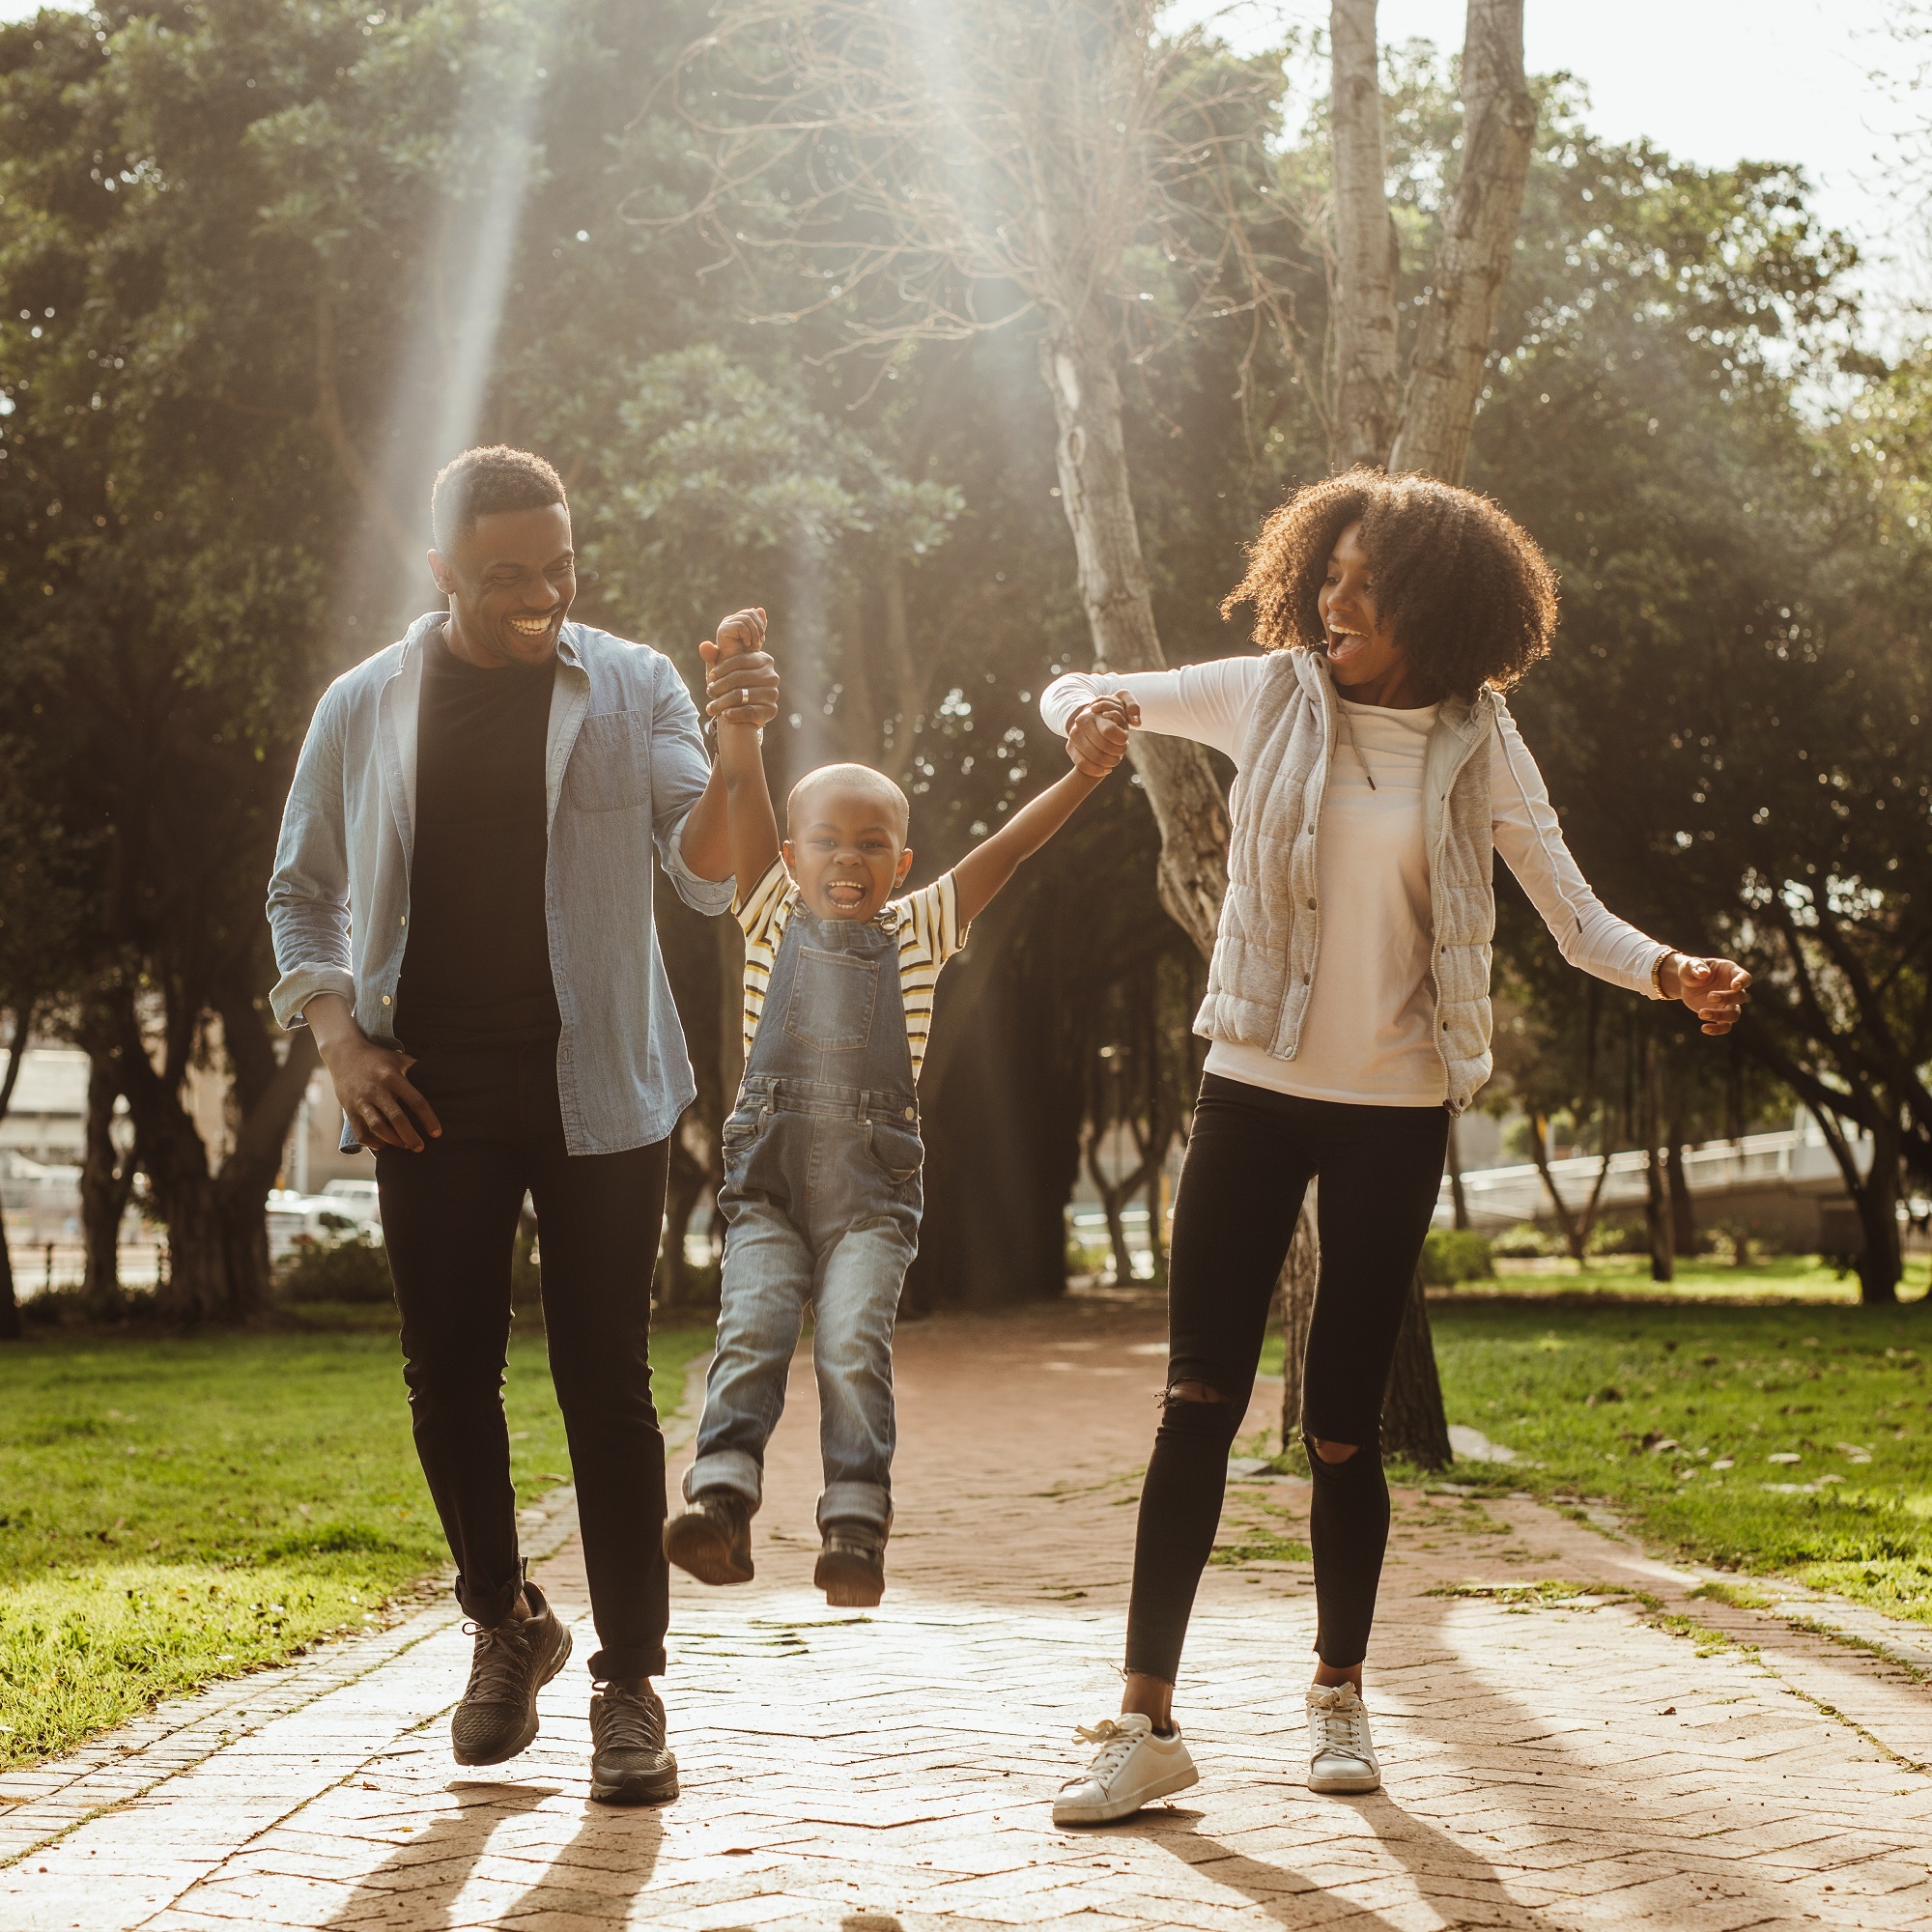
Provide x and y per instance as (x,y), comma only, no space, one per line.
(1360,649)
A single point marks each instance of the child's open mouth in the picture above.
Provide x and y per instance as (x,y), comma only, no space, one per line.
(847,894)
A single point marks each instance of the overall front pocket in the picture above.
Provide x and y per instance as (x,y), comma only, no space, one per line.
(898,1152)
(832,999)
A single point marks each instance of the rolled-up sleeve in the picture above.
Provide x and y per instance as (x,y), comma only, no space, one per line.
(308,896)
(680,770)
(1531,837)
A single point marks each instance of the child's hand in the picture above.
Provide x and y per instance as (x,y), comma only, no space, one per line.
(741,682)
(1097,734)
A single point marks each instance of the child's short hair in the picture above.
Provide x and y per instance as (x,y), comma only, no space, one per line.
(853,778)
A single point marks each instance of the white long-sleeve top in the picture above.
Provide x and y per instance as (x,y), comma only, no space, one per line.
(1368,1038)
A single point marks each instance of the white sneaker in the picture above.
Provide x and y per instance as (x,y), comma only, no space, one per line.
(1341,1754)
(1133,1768)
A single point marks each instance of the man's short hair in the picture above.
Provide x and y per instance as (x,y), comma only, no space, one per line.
(480,482)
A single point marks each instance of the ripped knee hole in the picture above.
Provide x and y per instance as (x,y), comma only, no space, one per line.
(1203,1392)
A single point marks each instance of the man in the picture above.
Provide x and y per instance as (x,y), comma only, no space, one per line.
(461,916)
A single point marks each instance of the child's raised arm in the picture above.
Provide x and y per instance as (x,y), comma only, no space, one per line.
(994,860)
(748,797)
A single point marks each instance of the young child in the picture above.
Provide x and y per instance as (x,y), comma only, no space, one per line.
(822,1154)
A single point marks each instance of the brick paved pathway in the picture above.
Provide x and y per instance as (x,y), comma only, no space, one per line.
(1627,1756)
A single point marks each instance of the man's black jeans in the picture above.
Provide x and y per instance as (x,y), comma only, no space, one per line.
(449,1218)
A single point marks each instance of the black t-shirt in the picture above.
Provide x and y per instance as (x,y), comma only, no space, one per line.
(477,964)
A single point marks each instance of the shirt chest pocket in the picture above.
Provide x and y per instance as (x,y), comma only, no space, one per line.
(610,763)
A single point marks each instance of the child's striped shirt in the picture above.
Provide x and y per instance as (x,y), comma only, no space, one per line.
(929,933)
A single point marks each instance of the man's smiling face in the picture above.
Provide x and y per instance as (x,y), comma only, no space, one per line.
(510,579)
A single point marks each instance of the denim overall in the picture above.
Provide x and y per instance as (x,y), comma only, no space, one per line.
(821,1204)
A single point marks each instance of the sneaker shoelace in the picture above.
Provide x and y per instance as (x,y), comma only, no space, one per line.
(498,1671)
(1340,1728)
(627,1721)
(1115,1744)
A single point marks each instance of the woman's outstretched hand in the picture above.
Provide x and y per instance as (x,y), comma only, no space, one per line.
(1097,734)
(1713,989)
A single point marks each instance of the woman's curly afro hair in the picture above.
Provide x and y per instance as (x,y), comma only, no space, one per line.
(1463,587)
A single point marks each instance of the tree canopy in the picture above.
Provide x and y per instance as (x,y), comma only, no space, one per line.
(261,263)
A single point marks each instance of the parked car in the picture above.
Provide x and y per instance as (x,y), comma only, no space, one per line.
(362,1197)
(299,1220)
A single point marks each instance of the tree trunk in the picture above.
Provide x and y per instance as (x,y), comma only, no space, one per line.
(1414,1425)
(106,1182)
(1368,252)
(218,1230)
(17,1052)
(1456,1194)
(1683,1210)
(1446,365)
(1657,1193)
(1114,1198)
(1881,1264)
(1091,457)
(1002,1098)
(1875,1195)
(1452,342)
(10,1306)
(1298,1277)
(1156,1210)
(1574,1237)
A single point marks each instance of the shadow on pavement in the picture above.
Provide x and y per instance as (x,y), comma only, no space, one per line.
(1289,1895)
(598,1876)
(419,1881)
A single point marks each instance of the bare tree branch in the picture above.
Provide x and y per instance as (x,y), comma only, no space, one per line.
(1367,256)
(1452,346)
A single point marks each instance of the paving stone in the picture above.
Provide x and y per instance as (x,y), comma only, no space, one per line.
(1550,1768)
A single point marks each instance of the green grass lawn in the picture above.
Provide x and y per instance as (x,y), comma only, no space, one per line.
(1674,1414)
(1787,1278)
(1790,1437)
(172,1512)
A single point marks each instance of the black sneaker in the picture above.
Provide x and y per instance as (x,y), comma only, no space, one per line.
(629,1763)
(851,1566)
(712,1539)
(497,1716)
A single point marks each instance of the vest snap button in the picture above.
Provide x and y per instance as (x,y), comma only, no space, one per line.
(911,1114)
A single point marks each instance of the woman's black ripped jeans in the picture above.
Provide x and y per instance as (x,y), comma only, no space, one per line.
(1249,1161)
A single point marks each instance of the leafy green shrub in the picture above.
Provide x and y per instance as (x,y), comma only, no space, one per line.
(1450,1255)
(1526,1242)
(1618,1238)
(346,1270)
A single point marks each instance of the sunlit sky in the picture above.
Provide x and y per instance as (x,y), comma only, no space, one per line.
(1712,80)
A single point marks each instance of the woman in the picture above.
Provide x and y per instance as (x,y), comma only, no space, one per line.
(1347,1004)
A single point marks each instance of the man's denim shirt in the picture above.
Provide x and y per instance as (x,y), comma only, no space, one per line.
(623,765)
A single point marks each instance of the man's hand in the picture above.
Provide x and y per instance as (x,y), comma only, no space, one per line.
(1713,989)
(371,1082)
(741,682)
(1097,734)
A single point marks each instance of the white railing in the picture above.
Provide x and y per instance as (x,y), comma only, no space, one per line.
(1795,1160)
